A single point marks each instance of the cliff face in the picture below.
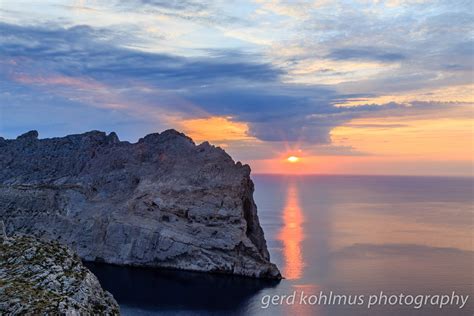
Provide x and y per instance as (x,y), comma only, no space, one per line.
(38,277)
(161,202)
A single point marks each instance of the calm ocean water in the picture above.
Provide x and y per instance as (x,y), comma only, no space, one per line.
(349,235)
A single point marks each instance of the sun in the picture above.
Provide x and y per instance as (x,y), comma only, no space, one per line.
(293,159)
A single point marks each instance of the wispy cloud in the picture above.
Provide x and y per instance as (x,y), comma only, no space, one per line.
(366,53)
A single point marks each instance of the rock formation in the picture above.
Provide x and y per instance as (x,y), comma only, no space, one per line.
(40,278)
(160,202)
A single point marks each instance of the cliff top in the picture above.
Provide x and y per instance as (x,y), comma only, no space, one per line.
(28,158)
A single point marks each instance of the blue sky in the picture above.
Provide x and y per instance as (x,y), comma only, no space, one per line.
(272,77)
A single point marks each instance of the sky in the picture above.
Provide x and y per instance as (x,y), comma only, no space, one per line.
(347,87)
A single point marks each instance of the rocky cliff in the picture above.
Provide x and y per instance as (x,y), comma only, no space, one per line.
(160,202)
(40,278)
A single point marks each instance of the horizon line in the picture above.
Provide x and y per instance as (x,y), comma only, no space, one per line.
(361,175)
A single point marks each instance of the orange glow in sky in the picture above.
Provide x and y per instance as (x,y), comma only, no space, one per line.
(215,129)
(435,143)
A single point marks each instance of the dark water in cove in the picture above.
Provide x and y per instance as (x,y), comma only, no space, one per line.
(352,235)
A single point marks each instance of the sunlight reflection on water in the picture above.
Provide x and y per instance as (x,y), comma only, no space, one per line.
(291,234)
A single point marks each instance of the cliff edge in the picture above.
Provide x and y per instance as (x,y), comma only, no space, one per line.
(160,202)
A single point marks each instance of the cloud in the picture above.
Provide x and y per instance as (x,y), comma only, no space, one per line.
(92,67)
(79,57)
(366,53)
(376,125)
(82,50)
(202,12)
(175,4)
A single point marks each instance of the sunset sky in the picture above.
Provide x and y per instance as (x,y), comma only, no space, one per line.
(360,87)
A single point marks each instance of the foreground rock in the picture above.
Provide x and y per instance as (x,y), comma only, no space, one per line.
(161,202)
(38,278)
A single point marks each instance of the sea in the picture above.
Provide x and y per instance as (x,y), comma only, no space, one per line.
(346,245)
